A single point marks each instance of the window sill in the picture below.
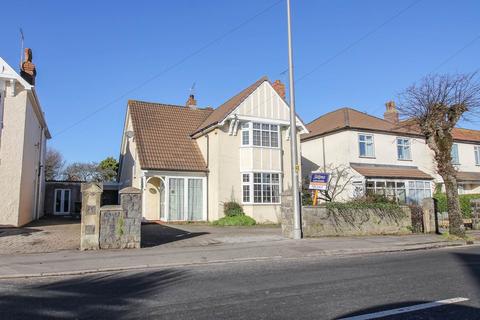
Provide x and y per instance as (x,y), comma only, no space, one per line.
(367,157)
(261,204)
(258,147)
(405,160)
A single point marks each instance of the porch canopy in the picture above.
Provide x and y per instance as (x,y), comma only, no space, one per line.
(390,171)
(468,177)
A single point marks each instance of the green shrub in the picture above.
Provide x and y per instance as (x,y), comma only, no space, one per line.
(465,205)
(232,209)
(239,220)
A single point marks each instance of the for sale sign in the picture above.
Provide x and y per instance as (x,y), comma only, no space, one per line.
(318,181)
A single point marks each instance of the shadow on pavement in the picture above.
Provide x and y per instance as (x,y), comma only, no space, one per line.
(112,296)
(7,232)
(445,312)
(38,225)
(154,234)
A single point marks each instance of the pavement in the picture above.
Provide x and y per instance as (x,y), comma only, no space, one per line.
(254,244)
(431,284)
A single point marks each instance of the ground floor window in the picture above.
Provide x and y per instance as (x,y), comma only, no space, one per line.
(261,187)
(184,200)
(402,191)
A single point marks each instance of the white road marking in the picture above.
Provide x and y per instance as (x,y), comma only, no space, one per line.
(417,307)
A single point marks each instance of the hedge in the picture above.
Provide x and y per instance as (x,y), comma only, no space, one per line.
(465,204)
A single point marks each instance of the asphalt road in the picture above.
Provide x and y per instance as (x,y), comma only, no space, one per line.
(320,288)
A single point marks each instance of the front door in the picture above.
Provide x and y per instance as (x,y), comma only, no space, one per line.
(62,201)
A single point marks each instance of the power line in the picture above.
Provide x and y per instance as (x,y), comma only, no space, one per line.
(445,61)
(172,66)
(456,53)
(363,37)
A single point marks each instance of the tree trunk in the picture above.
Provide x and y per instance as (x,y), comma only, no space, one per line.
(455,217)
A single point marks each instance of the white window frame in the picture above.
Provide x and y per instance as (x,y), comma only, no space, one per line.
(407,186)
(405,144)
(251,184)
(373,145)
(455,145)
(250,126)
(477,155)
(62,201)
(165,177)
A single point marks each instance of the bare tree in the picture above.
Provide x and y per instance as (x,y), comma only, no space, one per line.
(434,107)
(80,171)
(340,178)
(54,163)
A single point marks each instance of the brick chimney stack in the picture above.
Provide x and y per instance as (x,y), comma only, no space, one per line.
(28,70)
(279,86)
(391,114)
(191,102)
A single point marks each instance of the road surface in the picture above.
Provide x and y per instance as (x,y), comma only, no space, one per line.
(316,288)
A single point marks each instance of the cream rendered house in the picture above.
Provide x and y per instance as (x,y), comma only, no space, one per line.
(23,135)
(385,155)
(188,161)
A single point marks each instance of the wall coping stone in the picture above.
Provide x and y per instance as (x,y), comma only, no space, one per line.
(129,190)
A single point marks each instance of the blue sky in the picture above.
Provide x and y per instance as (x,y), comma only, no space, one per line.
(90,55)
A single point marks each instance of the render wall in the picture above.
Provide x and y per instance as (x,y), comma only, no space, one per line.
(131,173)
(11,156)
(33,154)
(226,162)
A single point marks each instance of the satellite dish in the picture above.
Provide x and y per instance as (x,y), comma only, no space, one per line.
(129,134)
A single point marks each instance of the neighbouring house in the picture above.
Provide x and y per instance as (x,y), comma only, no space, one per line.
(23,136)
(385,156)
(65,198)
(188,160)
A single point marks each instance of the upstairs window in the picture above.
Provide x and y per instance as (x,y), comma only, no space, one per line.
(245,133)
(477,155)
(365,145)
(403,149)
(455,157)
(265,135)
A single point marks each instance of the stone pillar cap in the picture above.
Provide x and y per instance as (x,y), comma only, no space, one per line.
(129,190)
(91,187)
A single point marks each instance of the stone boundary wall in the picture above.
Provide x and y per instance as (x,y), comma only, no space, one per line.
(114,226)
(317,221)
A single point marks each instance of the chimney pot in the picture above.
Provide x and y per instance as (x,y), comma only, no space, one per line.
(391,113)
(191,102)
(279,86)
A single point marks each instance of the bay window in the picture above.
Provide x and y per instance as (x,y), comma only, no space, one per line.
(261,187)
(260,134)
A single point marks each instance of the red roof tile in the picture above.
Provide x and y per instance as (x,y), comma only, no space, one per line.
(389,171)
(162,134)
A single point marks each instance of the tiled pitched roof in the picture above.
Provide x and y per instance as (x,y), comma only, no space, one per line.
(162,134)
(468,176)
(221,112)
(347,118)
(389,171)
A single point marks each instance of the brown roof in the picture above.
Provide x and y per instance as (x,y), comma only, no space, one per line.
(468,176)
(389,171)
(347,118)
(221,112)
(162,133)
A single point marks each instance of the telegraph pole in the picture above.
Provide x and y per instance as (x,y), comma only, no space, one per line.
(297,228)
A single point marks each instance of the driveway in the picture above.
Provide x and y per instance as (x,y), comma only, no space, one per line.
(45,235)
(51,234)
